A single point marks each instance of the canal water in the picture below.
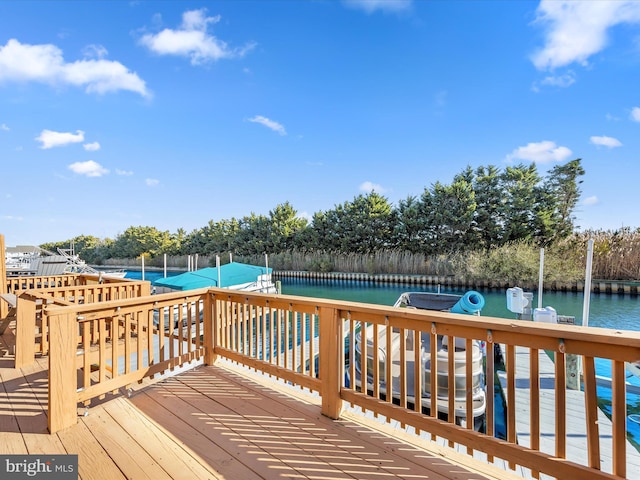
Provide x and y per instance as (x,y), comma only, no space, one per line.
(606,311)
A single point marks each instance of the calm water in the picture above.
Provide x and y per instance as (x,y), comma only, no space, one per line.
(606,311)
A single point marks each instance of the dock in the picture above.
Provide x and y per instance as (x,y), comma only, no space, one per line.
(577,447)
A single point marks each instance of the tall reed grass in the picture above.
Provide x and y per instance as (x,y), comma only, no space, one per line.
(616,257)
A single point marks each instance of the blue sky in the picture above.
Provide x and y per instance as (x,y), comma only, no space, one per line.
(174,113)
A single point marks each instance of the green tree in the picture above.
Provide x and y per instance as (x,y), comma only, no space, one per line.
(450,214)
(489,199)
(521,196)
(562,185)
(136,241)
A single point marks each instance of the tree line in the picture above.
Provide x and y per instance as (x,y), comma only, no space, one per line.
(481,208)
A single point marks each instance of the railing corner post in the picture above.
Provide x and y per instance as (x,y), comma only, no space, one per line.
(63,384)
(63,399)
(330,362)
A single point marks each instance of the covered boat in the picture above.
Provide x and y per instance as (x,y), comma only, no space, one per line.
(234,275)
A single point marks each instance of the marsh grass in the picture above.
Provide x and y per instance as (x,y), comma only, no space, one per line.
(616,257)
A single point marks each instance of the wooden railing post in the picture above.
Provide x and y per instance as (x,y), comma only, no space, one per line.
(25,330)
(330,362)
(210,319)
(4,309)
(63,403)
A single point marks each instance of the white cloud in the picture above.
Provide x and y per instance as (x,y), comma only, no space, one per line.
(94,51)
(562,81)
(635,114)
(371,187)
(192,40)
(271,124)
(575,30)
(590,200)
(50,139)
(152,182)
(88,168)
(45,64)
(541,152)
(91,147)
(12,218)
(126,173)
(605,141)
(4,127)
(370,6)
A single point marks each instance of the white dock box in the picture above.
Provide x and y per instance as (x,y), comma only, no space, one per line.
(546,315)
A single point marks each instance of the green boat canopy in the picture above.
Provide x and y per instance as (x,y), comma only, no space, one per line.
(231,274)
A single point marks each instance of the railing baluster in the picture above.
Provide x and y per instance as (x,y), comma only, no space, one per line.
(403,368)
(490,382)
(619,418)
(591,411)
(469,387)
(451,382)
(417,371)
(127,343)
(561,404)
(510,363)
(534,401)
(433,376)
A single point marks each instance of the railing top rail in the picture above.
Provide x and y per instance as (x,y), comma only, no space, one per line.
(623,338)
(64,288)
(46,299)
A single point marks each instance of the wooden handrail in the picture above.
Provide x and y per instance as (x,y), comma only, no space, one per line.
(303,341)
(30,303)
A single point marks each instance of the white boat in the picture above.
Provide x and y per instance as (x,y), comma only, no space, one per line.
(36,261)
(634,368)
(430,301)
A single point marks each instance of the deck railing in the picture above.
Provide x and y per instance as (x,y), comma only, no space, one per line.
(100,348)
(32,328)
(19,284)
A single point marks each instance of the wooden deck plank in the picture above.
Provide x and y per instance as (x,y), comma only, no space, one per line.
(303,442)
(131,458)
(22,400)
(257,438)
(326,439)
(158,442)
(43,444)
(12,443)
(93,462)
(352,427)
(193,433)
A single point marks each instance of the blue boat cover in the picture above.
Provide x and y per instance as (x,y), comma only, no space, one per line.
(233,273)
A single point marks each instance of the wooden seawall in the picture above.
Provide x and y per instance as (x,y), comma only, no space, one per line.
(609,287)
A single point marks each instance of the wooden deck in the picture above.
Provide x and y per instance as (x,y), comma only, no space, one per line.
(216,422)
